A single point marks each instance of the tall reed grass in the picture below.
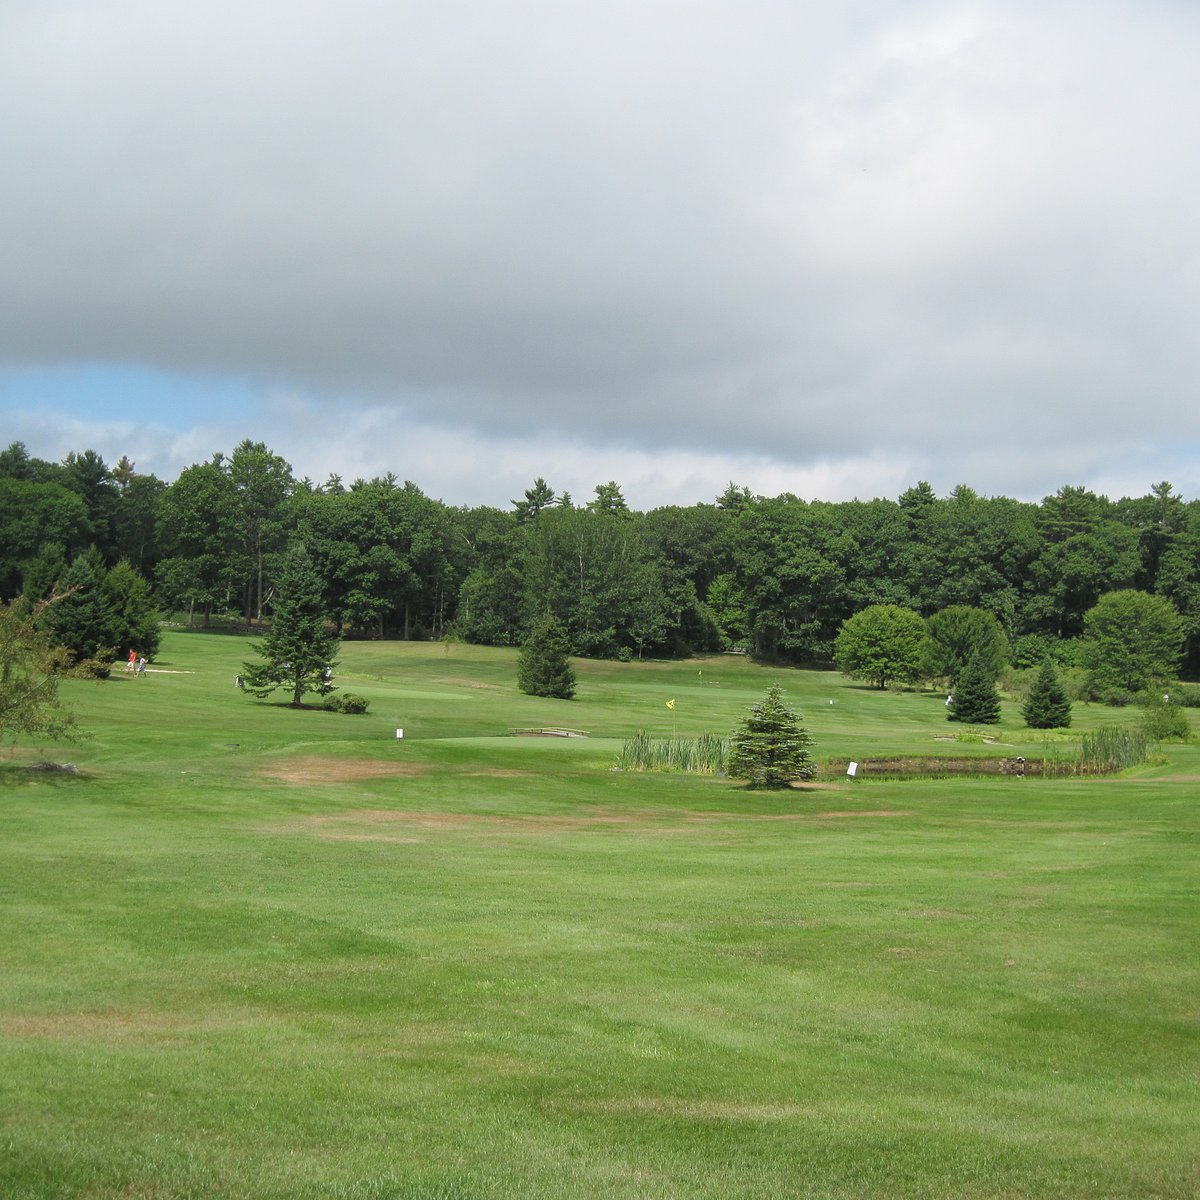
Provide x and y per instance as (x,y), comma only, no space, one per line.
(1104,751)
(703,755)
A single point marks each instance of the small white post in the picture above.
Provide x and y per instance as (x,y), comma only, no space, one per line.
(852,770)
(399,733)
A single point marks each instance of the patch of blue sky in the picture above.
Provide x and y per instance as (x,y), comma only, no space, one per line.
(99,392)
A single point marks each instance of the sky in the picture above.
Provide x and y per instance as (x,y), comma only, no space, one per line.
(824,249)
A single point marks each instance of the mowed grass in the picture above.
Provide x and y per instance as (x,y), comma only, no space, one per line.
(259,952)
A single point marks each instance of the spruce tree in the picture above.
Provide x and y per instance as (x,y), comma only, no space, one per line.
(543,668)
(770,749)
(297,653)
(1048,706)
(83,619)
(975,698)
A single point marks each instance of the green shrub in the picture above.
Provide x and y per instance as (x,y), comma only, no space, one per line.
(353,703)
(1187,694)
(1032,649)
(1164,719)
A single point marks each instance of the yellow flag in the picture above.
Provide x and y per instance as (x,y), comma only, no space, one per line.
(670,703)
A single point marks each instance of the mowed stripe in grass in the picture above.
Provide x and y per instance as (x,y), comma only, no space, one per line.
(258,952)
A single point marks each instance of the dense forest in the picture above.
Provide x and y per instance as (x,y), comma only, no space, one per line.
(775,576)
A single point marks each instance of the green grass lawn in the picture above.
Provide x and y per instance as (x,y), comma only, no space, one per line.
(257,952)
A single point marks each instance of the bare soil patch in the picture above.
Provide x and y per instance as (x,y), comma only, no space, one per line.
(400,825)
(695,1110)
(108,1026)
(314,768)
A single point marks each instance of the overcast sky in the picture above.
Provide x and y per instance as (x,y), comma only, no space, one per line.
(829,249)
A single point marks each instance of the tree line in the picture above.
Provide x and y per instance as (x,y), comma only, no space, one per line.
(774,576)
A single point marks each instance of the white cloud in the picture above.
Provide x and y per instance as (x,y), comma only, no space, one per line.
(813,242)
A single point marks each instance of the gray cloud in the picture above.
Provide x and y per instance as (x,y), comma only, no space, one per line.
(954,238)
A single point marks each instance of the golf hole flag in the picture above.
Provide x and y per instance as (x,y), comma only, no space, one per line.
(670,703)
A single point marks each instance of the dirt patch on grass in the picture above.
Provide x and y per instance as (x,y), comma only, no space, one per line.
(401,825)
(675,1108)
(865,812)
(461,681)
(107,1026)
(316,769)
(375,824)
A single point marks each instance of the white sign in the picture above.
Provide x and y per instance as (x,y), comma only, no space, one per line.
(852,770)
(399,733)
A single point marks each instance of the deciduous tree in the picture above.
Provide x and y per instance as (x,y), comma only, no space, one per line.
(882,643)
(30,668)
(1131,640)
(958,632)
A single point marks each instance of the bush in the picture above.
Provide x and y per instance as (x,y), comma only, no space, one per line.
(1187,694)
(1117,697)
(1164,719)
(1032,649)
(348,702)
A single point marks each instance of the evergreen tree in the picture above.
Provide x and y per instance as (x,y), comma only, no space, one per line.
(975,699)
(83,619)
(298,651)
(1048,706)
(543,668)
(135,619)
(770,749)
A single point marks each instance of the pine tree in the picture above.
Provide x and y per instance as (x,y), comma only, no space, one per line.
(298,651)
(83,619)
(1048,706)
(770,749)
(135,619)
(975,698)
(543,668)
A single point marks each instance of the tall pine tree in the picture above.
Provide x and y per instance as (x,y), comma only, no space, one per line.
(543,668)
(1048,706)
(297,653)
